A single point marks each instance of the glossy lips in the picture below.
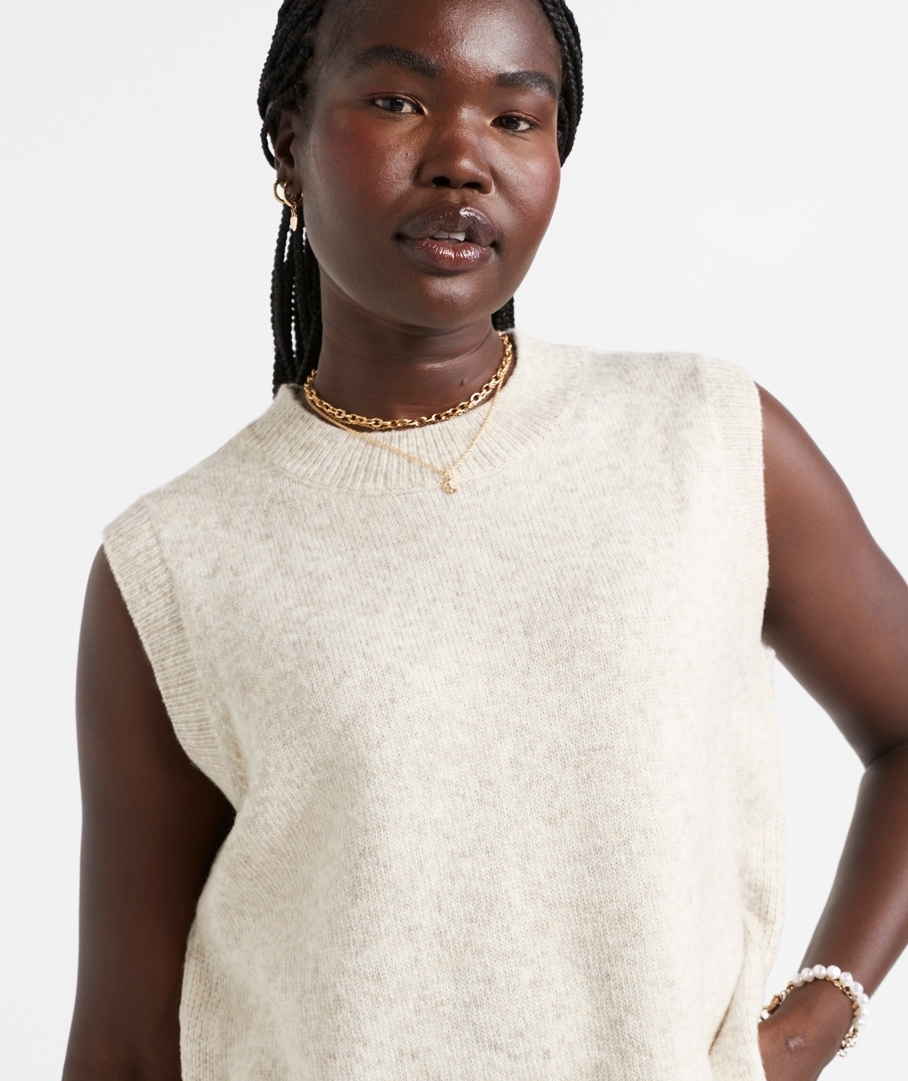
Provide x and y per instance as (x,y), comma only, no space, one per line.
(452,238)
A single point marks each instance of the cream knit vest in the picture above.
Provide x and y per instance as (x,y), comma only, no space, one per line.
(504,762)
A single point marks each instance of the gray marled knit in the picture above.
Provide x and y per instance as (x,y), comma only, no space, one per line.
(504,762)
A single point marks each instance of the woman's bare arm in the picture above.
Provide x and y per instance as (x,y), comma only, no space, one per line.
(152,825)
(837,615)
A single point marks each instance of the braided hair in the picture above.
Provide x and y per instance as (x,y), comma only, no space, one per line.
(296,316)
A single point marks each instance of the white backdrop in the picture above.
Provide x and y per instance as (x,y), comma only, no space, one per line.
(738,188)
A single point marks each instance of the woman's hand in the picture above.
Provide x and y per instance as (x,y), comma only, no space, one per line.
(804,1034)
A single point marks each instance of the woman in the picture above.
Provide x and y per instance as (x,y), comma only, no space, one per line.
(446,750)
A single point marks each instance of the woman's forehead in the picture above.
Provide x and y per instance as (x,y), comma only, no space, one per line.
(499,36)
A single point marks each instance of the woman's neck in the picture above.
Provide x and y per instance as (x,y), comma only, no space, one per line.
(379,369)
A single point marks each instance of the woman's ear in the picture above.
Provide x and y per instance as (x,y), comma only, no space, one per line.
(283,135)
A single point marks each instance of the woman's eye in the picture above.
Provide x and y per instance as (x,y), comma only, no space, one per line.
(515,123)
(395,105)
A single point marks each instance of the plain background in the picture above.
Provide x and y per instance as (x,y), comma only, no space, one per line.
(738,188)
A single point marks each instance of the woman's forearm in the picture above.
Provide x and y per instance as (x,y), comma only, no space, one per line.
(863,928)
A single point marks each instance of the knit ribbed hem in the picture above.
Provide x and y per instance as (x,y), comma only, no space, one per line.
(737,416)
(134,555)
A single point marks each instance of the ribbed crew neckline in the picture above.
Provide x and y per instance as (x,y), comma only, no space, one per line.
(538,394)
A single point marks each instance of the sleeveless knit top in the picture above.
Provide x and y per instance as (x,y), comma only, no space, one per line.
(504,762)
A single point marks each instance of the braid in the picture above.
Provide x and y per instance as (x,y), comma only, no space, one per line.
(296,308)
(281,306)
(570,102)
(291,52)
(503,319)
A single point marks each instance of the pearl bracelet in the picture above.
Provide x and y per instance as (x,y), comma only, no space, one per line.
(845,982)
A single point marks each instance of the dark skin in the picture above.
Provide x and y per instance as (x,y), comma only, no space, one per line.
(403,340)
(380,143)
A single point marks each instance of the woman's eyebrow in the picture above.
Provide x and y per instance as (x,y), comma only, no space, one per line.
(425,66)
(401,58)
(528,80)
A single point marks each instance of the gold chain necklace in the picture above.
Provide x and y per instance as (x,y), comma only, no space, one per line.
(376,424)
(447,475)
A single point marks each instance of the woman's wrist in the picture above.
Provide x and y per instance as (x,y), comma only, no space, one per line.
(808,1028)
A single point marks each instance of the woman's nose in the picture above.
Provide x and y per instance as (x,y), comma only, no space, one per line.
(455,157)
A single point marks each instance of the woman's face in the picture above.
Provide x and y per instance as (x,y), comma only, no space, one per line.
(427,156)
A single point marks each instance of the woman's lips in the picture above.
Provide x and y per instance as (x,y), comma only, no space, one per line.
(442,254)
(448,237)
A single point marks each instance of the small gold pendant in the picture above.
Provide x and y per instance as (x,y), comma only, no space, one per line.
(448,488)
(294,220)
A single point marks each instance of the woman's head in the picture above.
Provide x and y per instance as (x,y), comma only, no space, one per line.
(398,121)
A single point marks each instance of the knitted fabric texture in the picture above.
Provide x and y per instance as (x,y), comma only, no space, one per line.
(504,762)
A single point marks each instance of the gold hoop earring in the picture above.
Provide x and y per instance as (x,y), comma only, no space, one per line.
(291,202)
